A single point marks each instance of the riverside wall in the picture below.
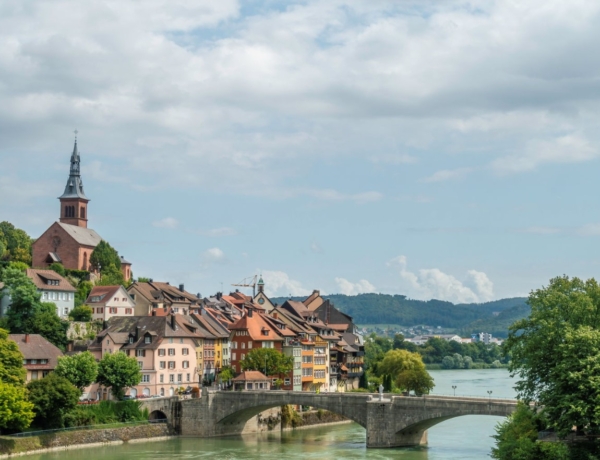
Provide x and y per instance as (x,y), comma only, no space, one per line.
(63,440)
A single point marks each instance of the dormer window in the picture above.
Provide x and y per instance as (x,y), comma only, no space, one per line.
(130,339)
(147,339)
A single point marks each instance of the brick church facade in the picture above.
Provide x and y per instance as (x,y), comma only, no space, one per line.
(69,241)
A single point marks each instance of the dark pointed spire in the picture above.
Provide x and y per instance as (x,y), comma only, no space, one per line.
(74,187)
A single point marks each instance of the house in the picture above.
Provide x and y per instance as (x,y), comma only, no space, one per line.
(161,299)
(54,289)
(69,241)
(164,347)
(40,357)
(109,301)
(251,380)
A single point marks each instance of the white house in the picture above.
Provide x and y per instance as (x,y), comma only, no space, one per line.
(109,301)
(54,289)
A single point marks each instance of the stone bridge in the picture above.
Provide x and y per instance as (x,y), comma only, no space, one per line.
(395,421)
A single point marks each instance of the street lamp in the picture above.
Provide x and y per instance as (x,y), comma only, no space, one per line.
(454,388)
(489,392)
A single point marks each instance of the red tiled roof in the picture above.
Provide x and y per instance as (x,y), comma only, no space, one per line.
(105,293)
(34,346)
(247,376)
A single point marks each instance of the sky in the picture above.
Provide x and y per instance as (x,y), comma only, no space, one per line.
(436,149)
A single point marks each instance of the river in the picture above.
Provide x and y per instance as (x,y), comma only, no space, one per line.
(467,437)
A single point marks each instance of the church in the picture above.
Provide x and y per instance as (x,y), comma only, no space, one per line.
(69,241)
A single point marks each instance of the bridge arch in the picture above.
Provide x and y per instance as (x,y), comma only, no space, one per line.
(157,415)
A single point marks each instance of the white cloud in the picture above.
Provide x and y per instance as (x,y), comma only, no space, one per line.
(278,283)
(218,232)
(589,230)
(167,222)
(448,174)
(432,283)
(349,288)
(213,255)
(572,148)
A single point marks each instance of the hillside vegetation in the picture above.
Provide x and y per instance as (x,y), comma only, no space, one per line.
(397,309)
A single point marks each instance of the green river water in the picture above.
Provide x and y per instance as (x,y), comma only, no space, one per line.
(467,437)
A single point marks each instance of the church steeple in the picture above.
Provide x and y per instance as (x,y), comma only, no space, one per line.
(73,202)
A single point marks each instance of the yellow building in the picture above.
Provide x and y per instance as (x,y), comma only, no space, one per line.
(320,364)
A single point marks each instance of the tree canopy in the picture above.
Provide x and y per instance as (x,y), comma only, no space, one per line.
(275,362)
(106,260)
(80,369)
(81,313)
(556,353)
(15,244)
(53,397)
(16,412)
(407,370)
(118,371)
(11,361)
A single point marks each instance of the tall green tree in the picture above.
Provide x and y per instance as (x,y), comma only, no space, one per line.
(80,369)
(556,353)
(11,361)
(103,256)
(269,359)
(408,371)
(118,371)
(53,397)
(16,412)
(17,243)
(46,323)
(82,313)
(111,276)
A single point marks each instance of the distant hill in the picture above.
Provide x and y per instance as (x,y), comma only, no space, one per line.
(397,309)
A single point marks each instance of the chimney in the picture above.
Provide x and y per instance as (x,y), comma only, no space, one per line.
(137,333)
(181,288)
(26,338)
(150,280)
(219,295)
(173,322)
(275,315)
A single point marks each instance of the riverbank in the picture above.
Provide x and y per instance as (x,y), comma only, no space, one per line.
(65,440)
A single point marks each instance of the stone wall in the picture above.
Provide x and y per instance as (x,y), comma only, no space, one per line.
(10,446)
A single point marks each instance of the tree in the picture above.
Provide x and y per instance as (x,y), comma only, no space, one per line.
(226,374)
(16,242)
(118,371)
(103,256)
(275,362)
(448,362)
(46,323)
(387,383)
(111,276)
(53,397)
(16,412)
(83,291)
(80,369)
(555,353)
(11,361)
(24,297)
(408,371)
(58,268)
(81,313)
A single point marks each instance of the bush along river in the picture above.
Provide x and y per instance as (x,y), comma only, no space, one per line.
(467,437)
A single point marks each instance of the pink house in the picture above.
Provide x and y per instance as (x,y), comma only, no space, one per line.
(164,347)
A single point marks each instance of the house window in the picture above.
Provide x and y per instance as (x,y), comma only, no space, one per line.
(268,344)
(128,311)
(113,310)
(171,351)
(161,364)
(186,364)
(187,377)
(250,344)
(243,356)
(147,339)
(45,295)
(140,353)
(171,340)
(162,378)
(286,381)
(34,361)
(249,386)
(171,378)
(185,351)
(233,356)
(43,361)
(243,345)
(161,352)
(45,373)
(171,364)
(140,364)
(34,375)
(179,377)
(146,378)
(130,339)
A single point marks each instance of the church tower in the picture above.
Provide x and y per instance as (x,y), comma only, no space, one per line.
(73,202)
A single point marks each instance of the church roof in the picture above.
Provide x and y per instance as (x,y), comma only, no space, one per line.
(74,187)
(84,236)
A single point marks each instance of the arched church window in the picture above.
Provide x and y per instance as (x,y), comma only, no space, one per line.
(82,212)
(85,262)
